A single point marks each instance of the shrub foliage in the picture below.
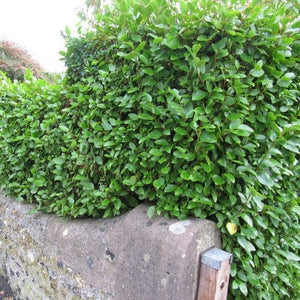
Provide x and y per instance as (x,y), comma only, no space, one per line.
(193,105)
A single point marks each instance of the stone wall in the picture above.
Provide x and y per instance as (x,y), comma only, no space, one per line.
(126,258)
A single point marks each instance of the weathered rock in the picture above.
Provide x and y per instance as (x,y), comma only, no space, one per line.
(124,258)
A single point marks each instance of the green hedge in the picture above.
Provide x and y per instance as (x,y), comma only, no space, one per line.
(193,106)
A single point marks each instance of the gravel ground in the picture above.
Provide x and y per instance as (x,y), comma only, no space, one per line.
(5,291)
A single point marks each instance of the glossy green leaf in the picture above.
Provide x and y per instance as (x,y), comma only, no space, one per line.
(130,181)
(208,137)
(230,177)
(151,211)
(64,128)
(145,116)
(247,218)
(170,188)
(204,201)
(156,134)
(156,152)
(245,244)
(180,131)
(39,182)
(106,125)
(265,179)
(87,185)
(58,160)
(293,146)
(171,41)
(158,183)
(198,95)
(257,72)
(185,174)
(218,180)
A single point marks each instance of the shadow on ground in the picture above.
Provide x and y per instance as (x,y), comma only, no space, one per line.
(5,290)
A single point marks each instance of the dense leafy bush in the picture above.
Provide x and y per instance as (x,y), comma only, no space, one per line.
(192,105)
(14,61)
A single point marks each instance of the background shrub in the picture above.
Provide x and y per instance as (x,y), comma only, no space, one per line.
(14,61)
(193,105)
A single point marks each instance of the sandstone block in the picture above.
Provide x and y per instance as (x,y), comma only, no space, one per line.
(129,257)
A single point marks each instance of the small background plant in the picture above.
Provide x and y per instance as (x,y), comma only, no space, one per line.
(192,105)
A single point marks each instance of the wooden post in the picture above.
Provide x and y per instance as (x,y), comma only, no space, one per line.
(214,275)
